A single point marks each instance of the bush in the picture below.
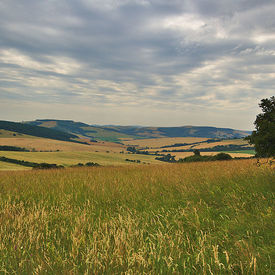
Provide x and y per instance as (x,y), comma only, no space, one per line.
(223,156)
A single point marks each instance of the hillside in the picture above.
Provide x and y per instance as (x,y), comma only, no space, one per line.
(117,133)
(37,131)
(81,129)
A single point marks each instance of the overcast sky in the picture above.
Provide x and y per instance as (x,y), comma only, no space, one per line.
(137,62)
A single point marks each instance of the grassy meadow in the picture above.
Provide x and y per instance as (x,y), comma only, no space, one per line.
(195,218)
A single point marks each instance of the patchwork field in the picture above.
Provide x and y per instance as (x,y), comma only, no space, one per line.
(158,142)
(105,153)
(195,218)
(223,142)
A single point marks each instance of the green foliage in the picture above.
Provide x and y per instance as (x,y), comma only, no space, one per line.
(12,148)
(91,164)
(35,130)
(35,165)
(131,149)
(222,156)
(166,158)
(196,157)
(197,152)
(217,148)
(264,136)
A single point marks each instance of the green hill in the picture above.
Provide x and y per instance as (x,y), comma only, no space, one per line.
(115,133)
(82,130)
(36,131)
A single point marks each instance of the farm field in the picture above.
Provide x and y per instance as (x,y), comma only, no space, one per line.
(74,157)
(11,166)
(154,145)
(43,144)
(195,218)
(158,142)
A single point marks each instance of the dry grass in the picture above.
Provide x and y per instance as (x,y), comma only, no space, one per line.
(43,144)
(197,218)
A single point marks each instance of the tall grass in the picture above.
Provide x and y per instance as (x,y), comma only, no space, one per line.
(197,218)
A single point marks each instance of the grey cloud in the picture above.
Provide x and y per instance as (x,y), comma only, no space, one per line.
(144,53)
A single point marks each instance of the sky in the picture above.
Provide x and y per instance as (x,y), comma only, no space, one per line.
(137,62)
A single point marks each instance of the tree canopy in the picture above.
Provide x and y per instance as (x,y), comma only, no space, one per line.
(264,136)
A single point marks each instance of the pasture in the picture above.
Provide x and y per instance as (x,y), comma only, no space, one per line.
(195,218)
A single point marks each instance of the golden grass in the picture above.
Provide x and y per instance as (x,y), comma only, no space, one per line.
(197,218)
(43,144)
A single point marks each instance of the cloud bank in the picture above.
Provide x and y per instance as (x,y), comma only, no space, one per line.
(147,62)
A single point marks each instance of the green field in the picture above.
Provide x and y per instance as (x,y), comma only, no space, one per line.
(196,218)
(72,158)
(250,152)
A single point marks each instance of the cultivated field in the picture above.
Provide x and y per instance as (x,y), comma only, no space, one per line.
(223,142)
(196,218)
(44,144)
(75,157)
(158,142)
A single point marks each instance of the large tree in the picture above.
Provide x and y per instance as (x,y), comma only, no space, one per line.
(264,136)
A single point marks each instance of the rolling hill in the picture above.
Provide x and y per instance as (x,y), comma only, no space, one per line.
(37,131)
(116,133)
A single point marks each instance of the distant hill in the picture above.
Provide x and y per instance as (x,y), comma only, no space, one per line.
(115,133)
(82,130)
(37,131)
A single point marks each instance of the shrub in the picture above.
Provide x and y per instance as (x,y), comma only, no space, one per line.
(223,156)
